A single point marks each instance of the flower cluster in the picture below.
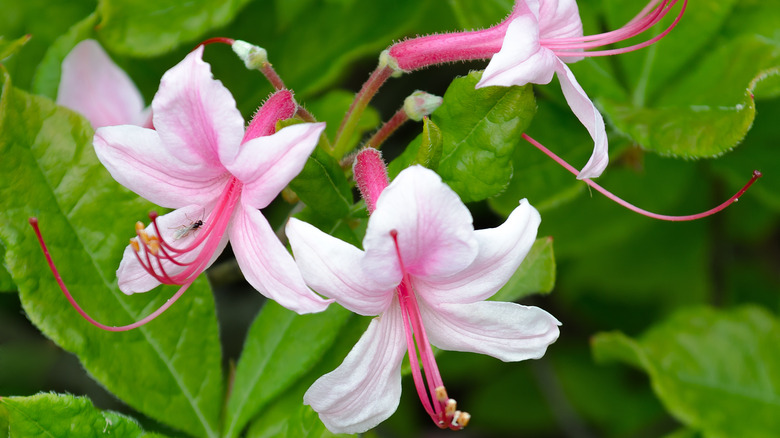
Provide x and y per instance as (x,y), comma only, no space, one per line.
(423,271)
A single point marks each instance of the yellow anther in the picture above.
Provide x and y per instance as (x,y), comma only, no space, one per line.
(134,244)
(463,419)
(450,408)
(144,237)
(139,226)
(153,246)
(441,394)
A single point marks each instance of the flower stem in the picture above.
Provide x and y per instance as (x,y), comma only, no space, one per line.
(355,111)
(395,122)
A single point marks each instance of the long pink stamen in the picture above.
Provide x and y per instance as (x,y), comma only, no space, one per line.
(58,278)
(562,48)
(643,212)
(205,244)
(433,396)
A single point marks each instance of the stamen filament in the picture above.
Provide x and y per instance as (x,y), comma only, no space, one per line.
(58,278)
(643,212)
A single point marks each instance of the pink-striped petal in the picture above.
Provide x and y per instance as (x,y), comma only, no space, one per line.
(267,265)
(521,59)
(366,388)
(434,229)
(332,267)
(94,86)
(507,331)
(590,117)
(267,164)
(196,115)
(138,160)
(501,250)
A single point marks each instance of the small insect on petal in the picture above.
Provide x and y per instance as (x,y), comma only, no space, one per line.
(186,230)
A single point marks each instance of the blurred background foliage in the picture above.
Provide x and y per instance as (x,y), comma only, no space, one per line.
(659,319)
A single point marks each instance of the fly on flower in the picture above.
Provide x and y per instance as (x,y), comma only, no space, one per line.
(426,273)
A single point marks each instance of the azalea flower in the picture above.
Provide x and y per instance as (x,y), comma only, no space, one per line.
(426,272)
(93,85)
(201,162)
(534,43)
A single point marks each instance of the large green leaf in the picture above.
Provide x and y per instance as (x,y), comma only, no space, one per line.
(148,28)
(716,371)
(535,275)
(6,282)
(480,130)
(280,348)
(475,15)
(322,186)
(169,369)
(65,416)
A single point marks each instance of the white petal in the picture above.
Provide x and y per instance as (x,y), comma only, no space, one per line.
(137,159)
(559,19)
(434,229)
(507,331)
(267,164)
(590,117)
(97,88)
(366,388)
(501,250)
(332,268)
(267,265)
(196,115)
(521,59)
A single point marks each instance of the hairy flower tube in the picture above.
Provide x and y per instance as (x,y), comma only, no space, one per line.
(425,272)
(93,85)
(532,45)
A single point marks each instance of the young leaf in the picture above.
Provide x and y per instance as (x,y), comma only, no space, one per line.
(9,47)
(716,371)
(429,153)
(480,130)
(280,348)
(65,416)
(535,275)
(169,369)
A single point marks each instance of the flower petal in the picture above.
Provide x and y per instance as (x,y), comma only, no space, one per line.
(521,59)
(97,88)
(434,229)
(332,267)
(196,115)
(590,117)
(267,164)
(366,388)
(267,265)
(559,19)
(133,278)
(138,160)
(507,331)
(501,250)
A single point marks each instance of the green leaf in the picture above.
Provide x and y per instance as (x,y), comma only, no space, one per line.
(169,369)
(429,153)
(6,282)
(63,416)
(693,131)
(480,131)
(148,28)
(716,371)
(322,186)
(9,48)
(535,275)
(280,348)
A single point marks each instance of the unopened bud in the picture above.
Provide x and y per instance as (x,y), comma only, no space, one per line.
(370,175)
(420,104)
(386,60)
(254,57)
